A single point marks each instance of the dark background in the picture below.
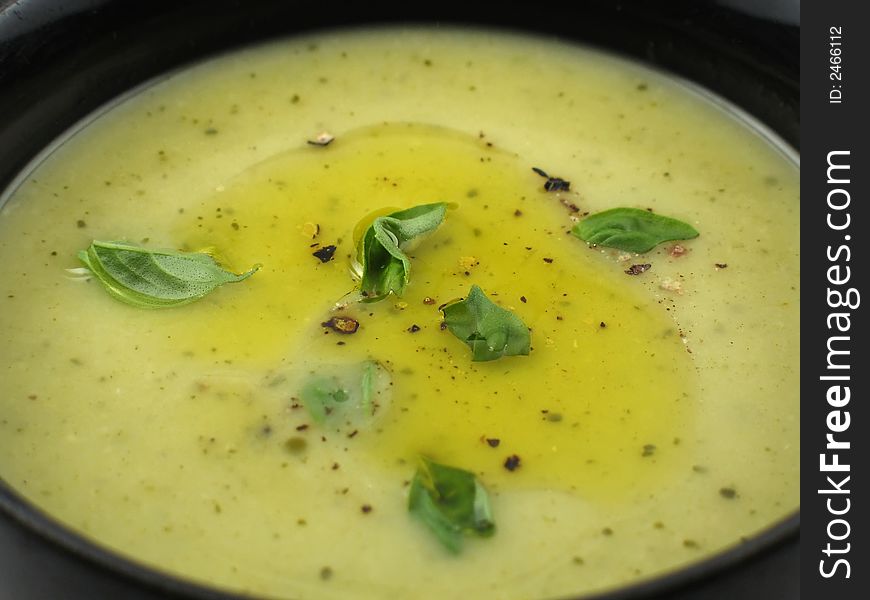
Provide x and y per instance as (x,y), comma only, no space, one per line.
(828,127)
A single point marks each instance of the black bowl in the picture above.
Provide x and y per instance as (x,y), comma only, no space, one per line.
(59,60)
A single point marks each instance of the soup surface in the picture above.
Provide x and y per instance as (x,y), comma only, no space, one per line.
(655,419)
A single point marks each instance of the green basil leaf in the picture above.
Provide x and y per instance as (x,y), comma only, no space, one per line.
(155,278)
(321,395)
(385,266)
(343,393)
(488,329)
(451,502)
(631,229)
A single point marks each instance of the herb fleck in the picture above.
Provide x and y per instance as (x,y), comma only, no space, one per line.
(493,442)
(295,445)
(414,328)
(728,492)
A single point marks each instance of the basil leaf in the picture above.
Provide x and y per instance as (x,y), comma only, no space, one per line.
(451,502)
(155,278)
(385,266)
(321,395)
(489,330)
(346,392)
(631,229)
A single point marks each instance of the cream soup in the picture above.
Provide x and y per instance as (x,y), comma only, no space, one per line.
(653,422)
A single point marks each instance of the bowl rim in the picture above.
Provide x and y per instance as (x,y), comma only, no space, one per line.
(32,518)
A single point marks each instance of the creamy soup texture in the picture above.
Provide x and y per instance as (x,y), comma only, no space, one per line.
(655,418)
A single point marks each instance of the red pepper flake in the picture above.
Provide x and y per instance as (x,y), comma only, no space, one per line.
(493,442)
(443,325)
(602,324)
(518,213)
(342,324)
(638,269)
(414,328)
(548,260)
(523,299)
(366,508)
(721,266)
(428,300)
(325,254)
(512,462)
(677,250)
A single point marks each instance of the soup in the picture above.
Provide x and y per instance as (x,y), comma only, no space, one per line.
(650,421)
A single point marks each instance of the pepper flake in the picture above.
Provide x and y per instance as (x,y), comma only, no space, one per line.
(638,269)
(553,184)
(324,254)
(512,462)
(342,324)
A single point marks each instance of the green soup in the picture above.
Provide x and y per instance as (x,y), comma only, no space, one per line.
(654,421)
